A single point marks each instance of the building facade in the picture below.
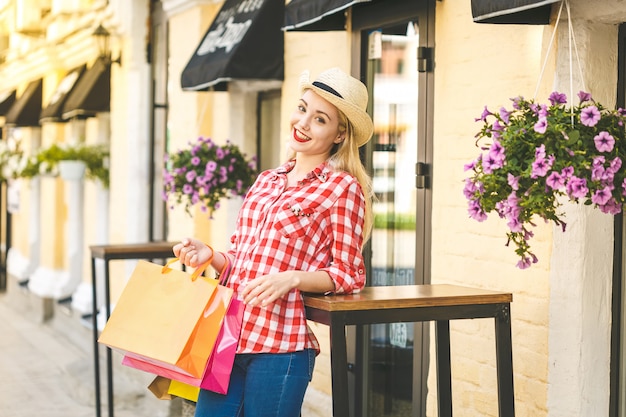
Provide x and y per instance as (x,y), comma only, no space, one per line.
(431,67)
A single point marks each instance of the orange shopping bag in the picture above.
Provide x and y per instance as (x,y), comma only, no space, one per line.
(159,318)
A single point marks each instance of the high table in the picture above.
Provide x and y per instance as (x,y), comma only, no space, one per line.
(416,303)
(151,250)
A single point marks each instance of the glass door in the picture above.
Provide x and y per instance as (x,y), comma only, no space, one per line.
(393,78)
(396,41)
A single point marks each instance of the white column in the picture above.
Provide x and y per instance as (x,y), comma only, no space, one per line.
(19,265)
(82,298)
(73,173)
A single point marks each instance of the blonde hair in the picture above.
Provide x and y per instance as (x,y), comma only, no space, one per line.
(344,156)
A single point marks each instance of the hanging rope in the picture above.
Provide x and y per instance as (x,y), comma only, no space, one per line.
(545,61)
(571,44)
(573,41)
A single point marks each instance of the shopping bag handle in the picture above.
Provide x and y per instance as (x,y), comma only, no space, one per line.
(194,276)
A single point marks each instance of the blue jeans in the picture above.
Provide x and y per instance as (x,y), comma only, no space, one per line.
(262,385)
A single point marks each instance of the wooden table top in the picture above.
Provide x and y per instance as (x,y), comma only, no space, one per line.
(131,250)
(406,296)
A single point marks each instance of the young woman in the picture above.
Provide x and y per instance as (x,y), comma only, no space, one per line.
(301,228)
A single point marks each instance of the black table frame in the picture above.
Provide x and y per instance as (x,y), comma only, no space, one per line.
(152,250)
(338,320)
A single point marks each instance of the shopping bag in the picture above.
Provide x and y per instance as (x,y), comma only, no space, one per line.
(182,390)
(217,374)
(165,389)
(159,318)
(160,387)
(213,317)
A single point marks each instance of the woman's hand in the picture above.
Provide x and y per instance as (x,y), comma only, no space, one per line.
(264,290)
(192,252)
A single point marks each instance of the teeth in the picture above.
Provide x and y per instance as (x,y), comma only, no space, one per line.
(299,136)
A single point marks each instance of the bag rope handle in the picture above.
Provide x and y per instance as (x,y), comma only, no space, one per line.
(199,270)
(222,275)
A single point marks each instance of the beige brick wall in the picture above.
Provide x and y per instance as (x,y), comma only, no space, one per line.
(477,65)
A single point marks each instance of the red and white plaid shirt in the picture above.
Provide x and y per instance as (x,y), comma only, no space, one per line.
(315,226)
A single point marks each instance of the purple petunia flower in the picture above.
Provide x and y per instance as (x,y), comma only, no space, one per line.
(497,127)
(557,98)
(475,211)
(190,176)
(516,102)
(505,115)
(469,166)
(211,166)
(490,163)
(590,116)
(513,181)
(541,125)
(484,115)
(584,96)
(601,197)
(611,207)
(567,172)
(540,167)
(615,165)
(555,180)
(604,141)
(524,263)
(577,187)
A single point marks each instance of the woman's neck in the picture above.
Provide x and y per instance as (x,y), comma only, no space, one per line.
(303,165)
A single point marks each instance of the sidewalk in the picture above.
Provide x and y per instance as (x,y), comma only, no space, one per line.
(46,373)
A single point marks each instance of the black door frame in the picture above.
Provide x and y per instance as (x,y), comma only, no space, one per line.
(363,18)
(616,397)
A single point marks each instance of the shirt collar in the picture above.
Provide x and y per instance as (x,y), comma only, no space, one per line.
(321,172)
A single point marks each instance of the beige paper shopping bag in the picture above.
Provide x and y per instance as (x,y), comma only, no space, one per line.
(160,318)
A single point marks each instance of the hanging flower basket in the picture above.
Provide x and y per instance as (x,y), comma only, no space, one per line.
(205,173)
(535,155)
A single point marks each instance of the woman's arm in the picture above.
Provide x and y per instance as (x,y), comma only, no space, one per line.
(268,288)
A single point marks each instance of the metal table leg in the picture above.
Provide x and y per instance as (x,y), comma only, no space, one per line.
(339,367)
(444,375)
(504,359)
(96,353)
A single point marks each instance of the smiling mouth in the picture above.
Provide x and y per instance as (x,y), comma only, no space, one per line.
(299,137)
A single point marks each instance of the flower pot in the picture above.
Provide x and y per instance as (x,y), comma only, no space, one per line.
(72,170)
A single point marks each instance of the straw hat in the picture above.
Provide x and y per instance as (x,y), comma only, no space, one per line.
(348,94)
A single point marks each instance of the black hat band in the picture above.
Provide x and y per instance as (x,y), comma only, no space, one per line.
(327,88)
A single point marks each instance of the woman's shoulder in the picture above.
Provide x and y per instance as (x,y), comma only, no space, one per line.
(336,176)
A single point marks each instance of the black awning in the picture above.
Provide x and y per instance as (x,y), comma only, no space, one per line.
(54,110)
(91,94)
(25,111)
(7,98)
(521,12)
(312,15)
(244,42)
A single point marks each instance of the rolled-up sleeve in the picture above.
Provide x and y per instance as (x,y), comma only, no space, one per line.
(347,268)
